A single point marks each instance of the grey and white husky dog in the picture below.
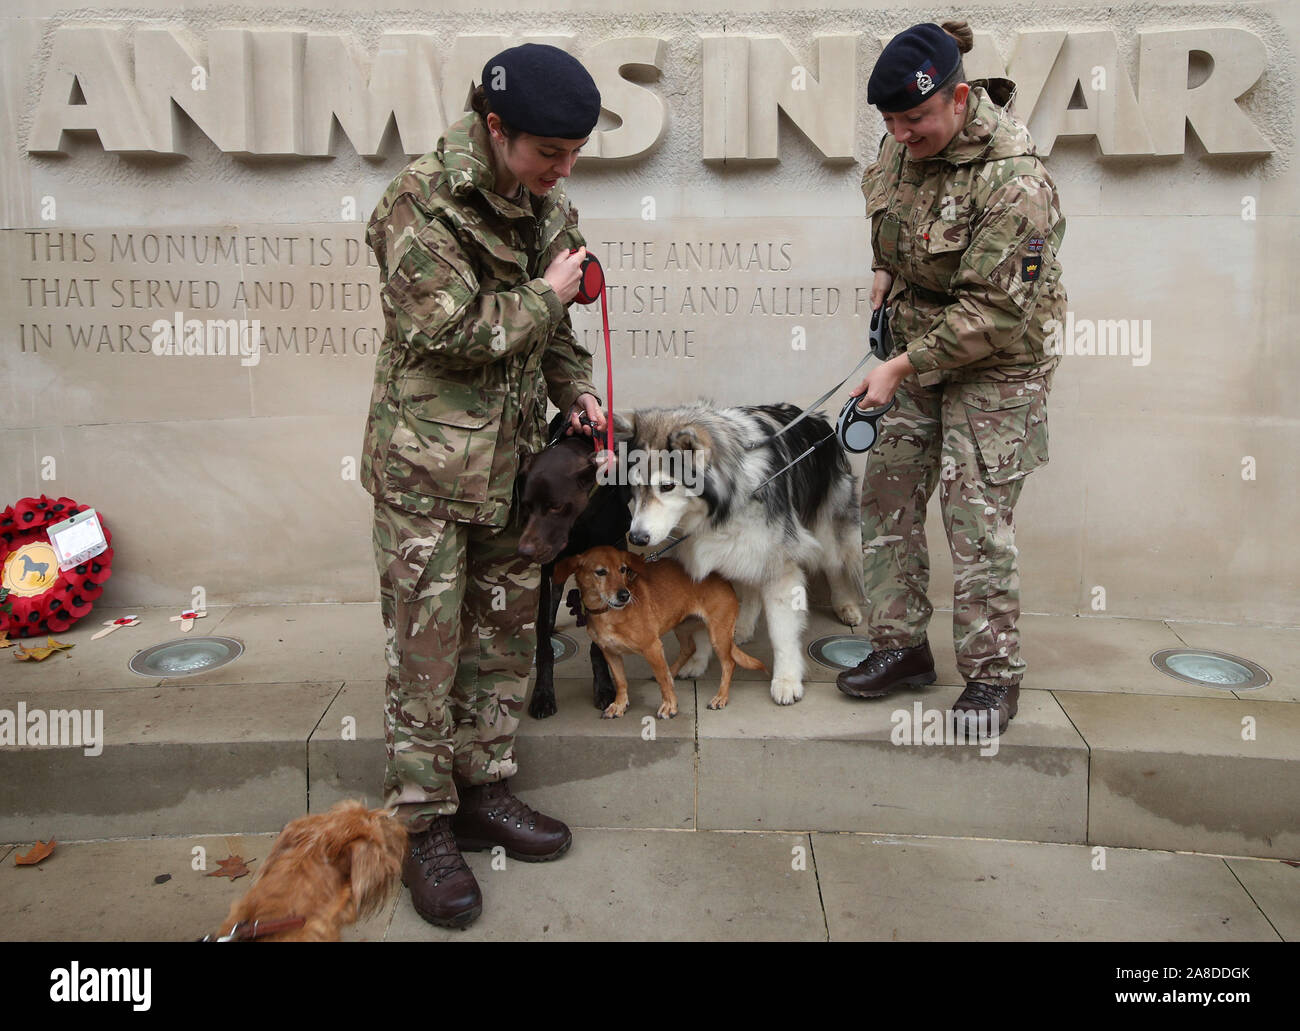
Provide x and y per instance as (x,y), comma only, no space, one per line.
(700,470)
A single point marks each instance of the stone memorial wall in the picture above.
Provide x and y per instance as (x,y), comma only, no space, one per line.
(189,315)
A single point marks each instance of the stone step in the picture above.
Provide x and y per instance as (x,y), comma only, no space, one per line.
(1105,750)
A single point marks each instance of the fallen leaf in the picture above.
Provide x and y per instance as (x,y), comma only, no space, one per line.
(233,867)
(4,640)
(38,852)
(38,654)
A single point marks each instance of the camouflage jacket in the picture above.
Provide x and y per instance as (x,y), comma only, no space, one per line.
(971,236)
(475,340)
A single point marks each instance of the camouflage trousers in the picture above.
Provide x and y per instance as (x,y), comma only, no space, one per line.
(977,441)
(460,610)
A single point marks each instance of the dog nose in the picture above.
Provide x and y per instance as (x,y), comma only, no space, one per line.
(527,548)
(639,539)
(623,595)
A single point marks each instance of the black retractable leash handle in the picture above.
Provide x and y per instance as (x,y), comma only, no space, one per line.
(857,428)
(882,344)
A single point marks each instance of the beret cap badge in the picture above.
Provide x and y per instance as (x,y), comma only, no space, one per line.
(913,65)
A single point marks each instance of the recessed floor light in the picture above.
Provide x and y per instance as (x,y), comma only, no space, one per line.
(563,647)
(840,651)
(1211,669)
(186,657)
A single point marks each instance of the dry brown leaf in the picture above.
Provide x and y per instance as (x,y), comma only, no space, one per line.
(233,867)
(38,654)
(38,852)
(4,640)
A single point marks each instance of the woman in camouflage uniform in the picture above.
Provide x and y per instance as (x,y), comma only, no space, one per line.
(965,229)
(474,244)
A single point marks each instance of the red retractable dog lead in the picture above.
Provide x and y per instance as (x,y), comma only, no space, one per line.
(591,285)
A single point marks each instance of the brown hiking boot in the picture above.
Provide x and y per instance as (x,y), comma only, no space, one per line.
(443,888)
(1004,699)
(884,671)
(490,815)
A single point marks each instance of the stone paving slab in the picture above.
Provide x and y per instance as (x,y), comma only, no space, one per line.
(294,643)
(100,665)
(105,891)
(882,888)
(1275,887)
(1178,773)
(830,763)
(1099,654)
(616,885)
(1277,649)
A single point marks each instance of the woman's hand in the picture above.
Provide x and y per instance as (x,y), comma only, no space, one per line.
(588,405)
(565,274)
(881,382)
(880,287)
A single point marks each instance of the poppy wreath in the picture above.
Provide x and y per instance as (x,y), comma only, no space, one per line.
(69,597)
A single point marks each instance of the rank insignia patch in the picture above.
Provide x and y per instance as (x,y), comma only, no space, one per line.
(1029,269)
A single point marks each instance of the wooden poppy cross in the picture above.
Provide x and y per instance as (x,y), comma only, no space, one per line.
(113,624)
(187,619)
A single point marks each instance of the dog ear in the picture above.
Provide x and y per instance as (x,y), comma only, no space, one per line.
(564,569)
(624,426)
(375,862)
(685,439)
(635,564)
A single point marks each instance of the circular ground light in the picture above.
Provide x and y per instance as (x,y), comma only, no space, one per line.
(840,651)
(563,647)
(1211,669)
(186,658)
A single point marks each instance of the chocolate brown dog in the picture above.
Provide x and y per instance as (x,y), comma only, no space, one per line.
(565,512)
(630,603)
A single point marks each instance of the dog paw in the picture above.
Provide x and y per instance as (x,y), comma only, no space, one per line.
(717,702)
(604,699)
(614,711)
(786,690)
(541,706)
(667,710)
(696,666)
(849,614)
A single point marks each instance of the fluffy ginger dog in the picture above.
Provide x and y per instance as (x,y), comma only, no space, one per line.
(330,868)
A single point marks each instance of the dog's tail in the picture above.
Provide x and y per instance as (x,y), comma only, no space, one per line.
(748,661)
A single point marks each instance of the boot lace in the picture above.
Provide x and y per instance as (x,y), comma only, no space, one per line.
(437,851)
(503,806)
(983,696)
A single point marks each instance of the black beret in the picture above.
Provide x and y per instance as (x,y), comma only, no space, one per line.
(540,89)
(912,68)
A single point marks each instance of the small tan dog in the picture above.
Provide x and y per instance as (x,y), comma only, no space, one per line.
(622,618)
(330,868)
